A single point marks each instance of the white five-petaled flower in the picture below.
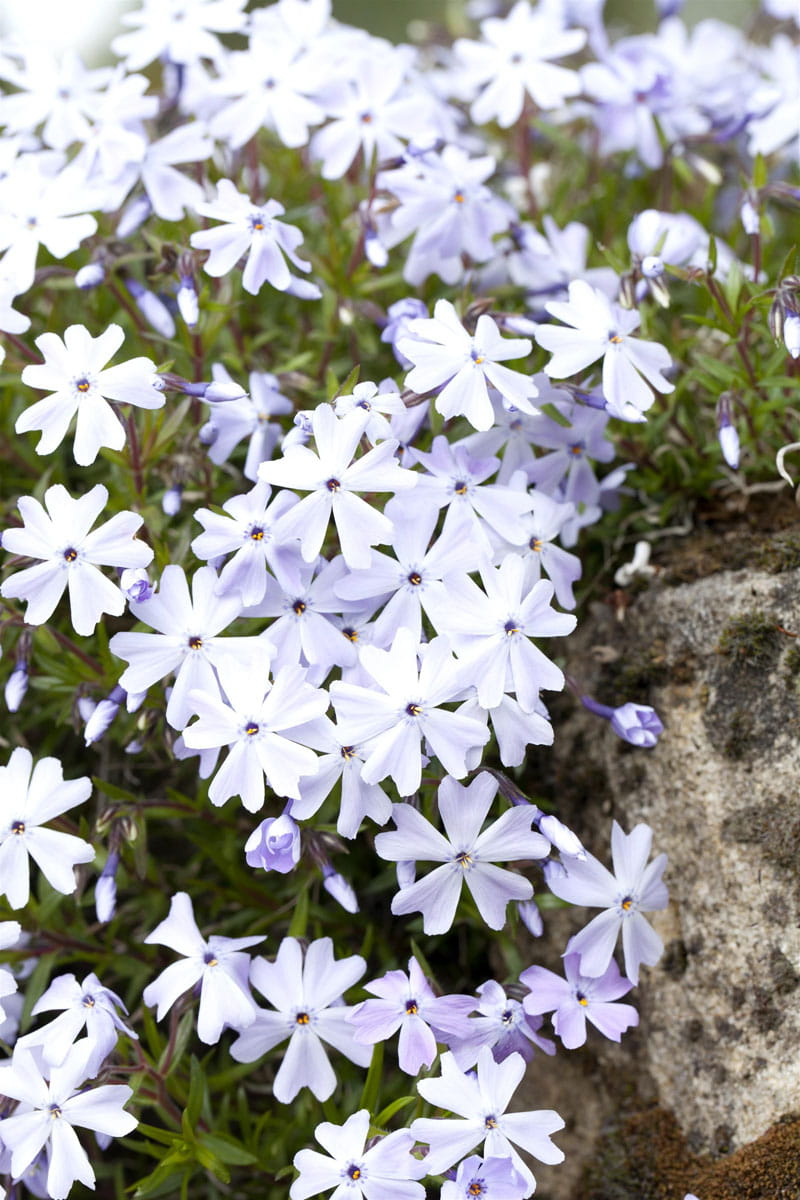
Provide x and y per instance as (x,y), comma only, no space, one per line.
(248,531)
(30,796)
(251,229)
(86,1005)
(386,1169)
(446,356)
(256,725)
(186,641)
(491,631)
(512,60)
(74,371)
(49,1111)
(467,855)
(390,720)
(480,1103)
(332,479)
(219,965)
(595,327)
(179,32)
(305,992)
(60,537)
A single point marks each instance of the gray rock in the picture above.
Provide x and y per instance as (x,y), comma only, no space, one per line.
(719,1040)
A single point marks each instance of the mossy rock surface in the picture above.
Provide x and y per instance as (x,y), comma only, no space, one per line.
(703,1099)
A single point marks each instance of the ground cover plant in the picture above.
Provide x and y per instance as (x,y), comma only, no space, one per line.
(336,374)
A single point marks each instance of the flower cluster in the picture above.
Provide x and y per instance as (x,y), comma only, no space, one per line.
(329,379)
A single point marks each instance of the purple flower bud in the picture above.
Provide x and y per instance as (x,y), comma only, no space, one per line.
(561,837)
(171,500)
(16,686)
(727,434)
(374,249)
(220,392)
(135,583)
(729,444)
(399,315)
(103,714)
(154,311)
(90,276)
(274,845)
(105,892)
(338,887)
(531,917)
(638,724)
(188,304)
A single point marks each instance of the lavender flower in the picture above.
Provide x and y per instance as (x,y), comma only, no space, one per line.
(408,1003)
(635,888)
(80,385)
(466,854)
(51,1109)
(487,1178)
(251,229)
(594,327)
(480,1103)
(445,356)
(86,1005)
(31,795)
(578,999)
(70,552)
(305,992)
(503,1025)
(387,1168)
(218,965)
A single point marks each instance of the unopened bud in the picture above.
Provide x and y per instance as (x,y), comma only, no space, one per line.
(16,686)
(791,334)
(561,837)
(135,583)
(751,222)
(637,724)
(105,891)
(338,887)
(727,433)
(90,276)
(221,393)
(188,303)
(154,311)
(133,215)
(374,249)
(171,500)
(531,917)
(274,845)
(103,715)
